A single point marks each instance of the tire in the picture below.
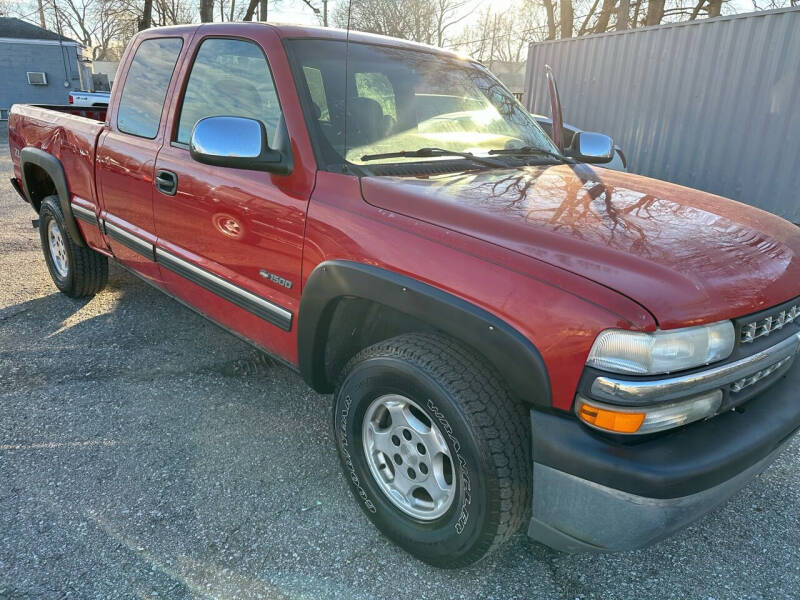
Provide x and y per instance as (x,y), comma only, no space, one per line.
(421,382)
(77,271)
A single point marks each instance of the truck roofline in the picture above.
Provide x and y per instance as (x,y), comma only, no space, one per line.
(297,31)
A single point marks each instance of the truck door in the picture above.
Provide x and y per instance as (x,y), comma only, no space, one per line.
(230,240)
(127,151)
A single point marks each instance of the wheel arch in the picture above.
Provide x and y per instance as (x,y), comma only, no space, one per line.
(42,176)
(340,295)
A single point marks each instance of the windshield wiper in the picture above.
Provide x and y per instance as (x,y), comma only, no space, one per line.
(529,151)
(432,152)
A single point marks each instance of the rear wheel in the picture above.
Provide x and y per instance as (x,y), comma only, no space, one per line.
(435,449)
(77,271)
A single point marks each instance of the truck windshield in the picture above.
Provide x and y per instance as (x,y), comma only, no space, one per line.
(402,100)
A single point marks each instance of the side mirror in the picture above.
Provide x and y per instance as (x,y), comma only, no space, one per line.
(235,142)
(591,147)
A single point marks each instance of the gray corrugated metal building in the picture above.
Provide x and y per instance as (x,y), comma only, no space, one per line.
(711,104)
(26,48)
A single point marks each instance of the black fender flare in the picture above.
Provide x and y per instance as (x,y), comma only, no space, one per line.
(52,166)
(511,353)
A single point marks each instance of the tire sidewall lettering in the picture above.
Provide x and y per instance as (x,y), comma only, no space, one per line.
(463,470)
(341,431)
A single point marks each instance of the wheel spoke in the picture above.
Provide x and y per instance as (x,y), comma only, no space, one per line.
(403,484)
(397,411)
(437,493)
(435,443)
(381,439)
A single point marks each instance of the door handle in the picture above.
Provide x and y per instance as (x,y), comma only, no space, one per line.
(166,182)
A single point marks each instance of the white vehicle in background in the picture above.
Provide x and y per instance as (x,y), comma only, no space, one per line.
(98,99)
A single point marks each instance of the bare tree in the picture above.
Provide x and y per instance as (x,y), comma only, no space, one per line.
(504,37)
(448,13)
(42,22)
(251,10)
(605,15)
(623,14)
(567,18)
(206,11)
(232,10)
(173,12)
(551,18)
(147,16)
(655,12)
(96,24)
(408,19)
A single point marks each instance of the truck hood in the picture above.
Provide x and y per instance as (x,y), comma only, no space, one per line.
(687,256)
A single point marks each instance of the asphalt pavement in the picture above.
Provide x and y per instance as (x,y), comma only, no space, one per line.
(146,453)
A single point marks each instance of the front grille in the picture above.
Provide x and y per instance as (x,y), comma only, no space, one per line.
(764,326)
(746,382)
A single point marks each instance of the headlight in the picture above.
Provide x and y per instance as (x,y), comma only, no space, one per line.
(640,353)
(649,419)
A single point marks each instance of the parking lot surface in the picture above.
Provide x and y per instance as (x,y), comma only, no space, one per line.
(146,453)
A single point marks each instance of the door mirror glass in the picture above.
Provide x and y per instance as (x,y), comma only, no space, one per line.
(236,142)
(592,147)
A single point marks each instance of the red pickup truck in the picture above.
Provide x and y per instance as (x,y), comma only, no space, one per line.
(514,336)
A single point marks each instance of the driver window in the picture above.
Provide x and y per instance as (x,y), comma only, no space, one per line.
(229,78)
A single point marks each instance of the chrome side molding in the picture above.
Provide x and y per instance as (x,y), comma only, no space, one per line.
(261,307)
(257,305)
(85,215)
(130,240)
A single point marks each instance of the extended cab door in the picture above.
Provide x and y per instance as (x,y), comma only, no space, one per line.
(126,152)
(230,240)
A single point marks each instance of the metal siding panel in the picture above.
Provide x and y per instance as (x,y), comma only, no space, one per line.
(18,58)
(710,104)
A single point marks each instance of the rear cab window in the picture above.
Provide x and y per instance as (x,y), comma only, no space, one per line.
(229,77)
(146,85)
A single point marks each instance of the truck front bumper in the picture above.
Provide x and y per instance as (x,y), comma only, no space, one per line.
(591,494)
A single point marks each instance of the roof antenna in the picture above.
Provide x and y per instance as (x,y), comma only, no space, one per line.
(346,80)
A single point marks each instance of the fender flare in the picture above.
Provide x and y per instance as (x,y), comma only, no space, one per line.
(52,166)
(513,355)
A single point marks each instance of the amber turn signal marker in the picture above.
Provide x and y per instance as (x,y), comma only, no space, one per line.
(611,420)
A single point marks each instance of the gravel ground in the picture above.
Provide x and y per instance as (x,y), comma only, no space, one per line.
(145,453)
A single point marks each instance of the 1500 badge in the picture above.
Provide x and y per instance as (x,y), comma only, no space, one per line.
(275,279)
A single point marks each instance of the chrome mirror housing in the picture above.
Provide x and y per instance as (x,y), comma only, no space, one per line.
(235,142)
(592,147)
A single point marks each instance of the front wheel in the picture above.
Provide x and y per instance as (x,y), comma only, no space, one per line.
(436,451)
(77,271)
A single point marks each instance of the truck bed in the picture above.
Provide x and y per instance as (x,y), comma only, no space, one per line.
(95,113)
(70,134)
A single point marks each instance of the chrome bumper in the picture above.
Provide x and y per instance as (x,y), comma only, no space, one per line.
(637,393)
